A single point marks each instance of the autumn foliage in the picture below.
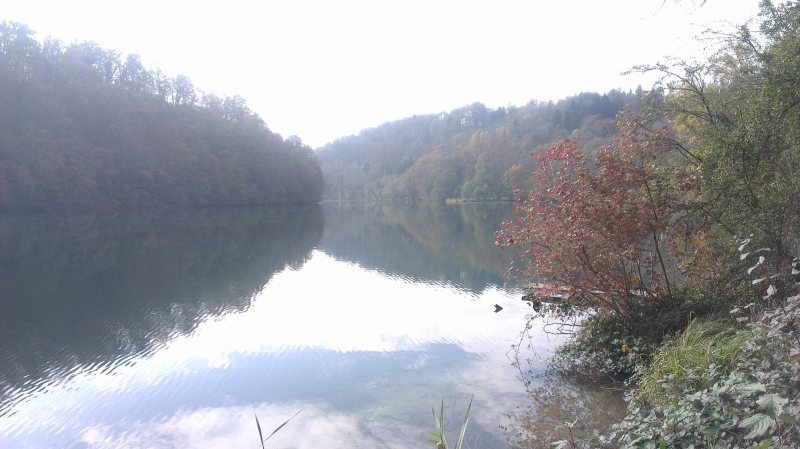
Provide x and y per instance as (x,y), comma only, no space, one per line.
(600,228)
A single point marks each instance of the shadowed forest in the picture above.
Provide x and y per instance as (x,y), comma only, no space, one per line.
(83,128)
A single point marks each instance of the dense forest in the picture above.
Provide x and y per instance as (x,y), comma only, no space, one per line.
(85,128)
(472,152)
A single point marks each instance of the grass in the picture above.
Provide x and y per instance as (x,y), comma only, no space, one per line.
(701,345)
(441,441)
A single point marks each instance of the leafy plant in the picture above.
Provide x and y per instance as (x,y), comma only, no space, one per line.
(755,403)
(601,349)
(440,441)
(607,345)
(701,345)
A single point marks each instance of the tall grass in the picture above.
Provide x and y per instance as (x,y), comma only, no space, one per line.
(441,441)
(701,345)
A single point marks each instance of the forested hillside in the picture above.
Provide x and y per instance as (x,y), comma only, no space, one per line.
(81,127)
(473,152)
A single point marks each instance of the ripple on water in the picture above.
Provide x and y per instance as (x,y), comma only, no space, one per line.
(175,349)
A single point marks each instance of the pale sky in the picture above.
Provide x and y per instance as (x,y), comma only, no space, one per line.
(326,69)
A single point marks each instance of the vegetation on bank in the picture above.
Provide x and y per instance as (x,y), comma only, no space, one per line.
(84,128)
(679,242)
(716,385)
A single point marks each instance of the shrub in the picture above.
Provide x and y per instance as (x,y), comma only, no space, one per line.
(602,348)
(611,346)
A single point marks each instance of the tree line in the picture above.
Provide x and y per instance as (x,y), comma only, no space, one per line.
(472,152)
(85,128)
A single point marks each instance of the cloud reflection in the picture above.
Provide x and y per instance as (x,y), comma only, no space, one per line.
(173,397)
(317,426)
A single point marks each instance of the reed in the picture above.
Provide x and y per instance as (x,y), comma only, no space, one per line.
(440,441)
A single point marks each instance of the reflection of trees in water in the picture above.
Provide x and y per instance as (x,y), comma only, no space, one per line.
(556,400)
(430,242)
(97,289)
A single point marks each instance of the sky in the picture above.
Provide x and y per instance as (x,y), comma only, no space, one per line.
(323,69)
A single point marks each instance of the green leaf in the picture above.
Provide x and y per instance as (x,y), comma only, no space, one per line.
(635,438)
(749,389)
(758,425)
(764,444)
(773,404)
(439,423)
(789,419)
(464,426)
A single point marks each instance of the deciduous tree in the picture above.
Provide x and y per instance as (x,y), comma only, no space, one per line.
(599,230)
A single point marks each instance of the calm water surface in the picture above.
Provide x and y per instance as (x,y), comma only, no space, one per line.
(165,329)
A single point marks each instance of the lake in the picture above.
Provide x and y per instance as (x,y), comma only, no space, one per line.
(166,329)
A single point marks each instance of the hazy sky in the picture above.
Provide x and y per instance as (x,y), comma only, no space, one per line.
(326,69)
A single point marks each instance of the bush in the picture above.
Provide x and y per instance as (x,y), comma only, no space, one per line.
(602,348)
(612,346)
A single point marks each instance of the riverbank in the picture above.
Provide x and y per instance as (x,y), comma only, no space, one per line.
(723,381)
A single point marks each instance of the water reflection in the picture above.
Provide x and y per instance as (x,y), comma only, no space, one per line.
(164,329)
(555,402)
(96,290)
(429,242)
(330,337)
(559,407)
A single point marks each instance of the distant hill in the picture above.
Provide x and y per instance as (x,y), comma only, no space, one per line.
(472,152)
(81,127)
